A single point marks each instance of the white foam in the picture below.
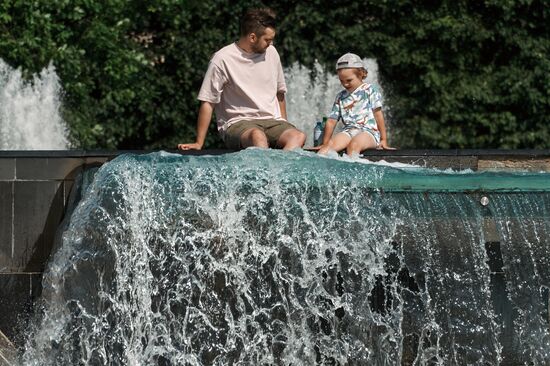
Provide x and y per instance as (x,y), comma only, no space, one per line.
(30,117)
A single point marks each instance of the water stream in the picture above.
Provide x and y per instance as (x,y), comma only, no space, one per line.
(271,257)
(30,117)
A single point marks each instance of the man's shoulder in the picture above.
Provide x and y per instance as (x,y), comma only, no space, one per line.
(223,53)
(271,52)
(230,48)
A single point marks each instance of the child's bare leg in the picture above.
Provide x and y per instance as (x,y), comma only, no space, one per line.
(360,142)
(336,143)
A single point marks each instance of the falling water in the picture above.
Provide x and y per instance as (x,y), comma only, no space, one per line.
(29,111)
(267,257)
(311,93)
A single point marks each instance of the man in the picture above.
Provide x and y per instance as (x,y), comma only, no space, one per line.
(245,86)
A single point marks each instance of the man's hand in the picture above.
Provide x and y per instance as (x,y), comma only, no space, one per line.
(192,146)
(203,121)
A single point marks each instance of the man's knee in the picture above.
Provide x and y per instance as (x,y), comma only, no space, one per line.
(293,138)
(254,137)
(298,136)
(258,135)
(301,137)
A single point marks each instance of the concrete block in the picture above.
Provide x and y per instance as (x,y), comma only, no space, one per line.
(38,210)
(534,165)
(6,224)
(7,168)
(67,187)
(16,300)
(97,160)
(48,168)
(490,231)
(8,352)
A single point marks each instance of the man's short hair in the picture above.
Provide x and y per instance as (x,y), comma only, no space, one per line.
(256,21)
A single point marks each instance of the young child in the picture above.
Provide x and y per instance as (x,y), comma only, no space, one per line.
(359,106)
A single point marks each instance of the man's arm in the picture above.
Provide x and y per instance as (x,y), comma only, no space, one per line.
(282,104)
(203,121)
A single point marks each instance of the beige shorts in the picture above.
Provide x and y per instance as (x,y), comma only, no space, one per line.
(273,129)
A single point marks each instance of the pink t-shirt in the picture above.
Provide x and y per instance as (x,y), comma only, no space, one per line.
(243,85)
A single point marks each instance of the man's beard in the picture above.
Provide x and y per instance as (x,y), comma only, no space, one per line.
(257,49)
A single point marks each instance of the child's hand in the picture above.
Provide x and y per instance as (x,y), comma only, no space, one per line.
(313,148)
(323,149)
(384,146)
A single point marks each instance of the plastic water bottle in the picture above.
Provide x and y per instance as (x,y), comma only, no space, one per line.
(318,134)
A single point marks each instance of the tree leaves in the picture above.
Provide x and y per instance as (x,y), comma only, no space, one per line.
(457,74)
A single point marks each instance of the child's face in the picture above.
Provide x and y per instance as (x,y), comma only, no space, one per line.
(349,78)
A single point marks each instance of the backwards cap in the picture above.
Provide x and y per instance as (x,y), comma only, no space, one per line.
(350,61)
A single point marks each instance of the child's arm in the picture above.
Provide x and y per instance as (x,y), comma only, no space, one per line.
(329,129)
(379,118)
(327,133)
(330,124)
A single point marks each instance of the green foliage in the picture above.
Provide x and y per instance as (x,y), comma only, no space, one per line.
(457,74)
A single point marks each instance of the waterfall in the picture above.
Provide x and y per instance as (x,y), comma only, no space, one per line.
(29,111)
(272,257)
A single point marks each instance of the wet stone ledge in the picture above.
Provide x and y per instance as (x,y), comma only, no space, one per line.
(476,160)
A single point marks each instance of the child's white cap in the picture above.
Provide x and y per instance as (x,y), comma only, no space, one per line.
(350,61)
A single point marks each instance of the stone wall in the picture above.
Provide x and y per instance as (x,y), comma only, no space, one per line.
(34,188)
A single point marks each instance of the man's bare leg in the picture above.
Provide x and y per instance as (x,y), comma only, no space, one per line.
(291,139)
(254,137)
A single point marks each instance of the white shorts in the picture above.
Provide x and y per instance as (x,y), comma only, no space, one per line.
(353,131)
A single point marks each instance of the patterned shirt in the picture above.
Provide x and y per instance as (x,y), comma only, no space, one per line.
(355,109)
